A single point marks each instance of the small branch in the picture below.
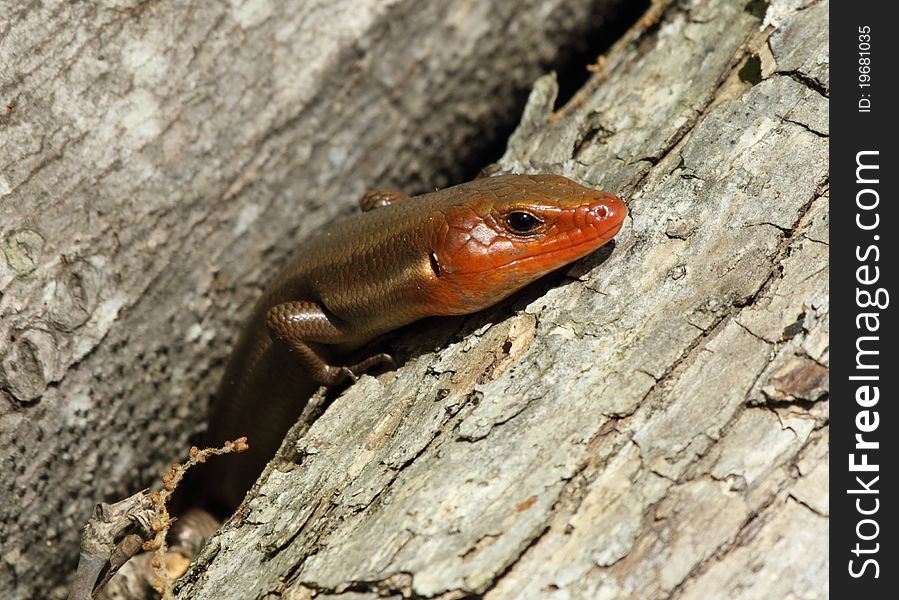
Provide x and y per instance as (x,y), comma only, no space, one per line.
(117,532)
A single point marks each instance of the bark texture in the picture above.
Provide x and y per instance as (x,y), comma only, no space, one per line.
(654,425)
(158,160)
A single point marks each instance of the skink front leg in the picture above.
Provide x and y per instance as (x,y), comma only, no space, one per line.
(378,198)
(295,324)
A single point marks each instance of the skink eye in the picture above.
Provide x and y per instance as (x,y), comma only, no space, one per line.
(522,222)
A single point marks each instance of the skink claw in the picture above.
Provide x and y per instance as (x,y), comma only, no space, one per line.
(347,373)
(380,358)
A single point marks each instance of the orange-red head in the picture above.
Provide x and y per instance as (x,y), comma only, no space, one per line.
(508,231)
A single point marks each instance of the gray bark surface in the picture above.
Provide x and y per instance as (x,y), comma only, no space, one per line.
(654,425)
(158,161)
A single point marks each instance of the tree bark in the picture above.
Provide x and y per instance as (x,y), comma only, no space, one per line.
(652,425)
(159,162)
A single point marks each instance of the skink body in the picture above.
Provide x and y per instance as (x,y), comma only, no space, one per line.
(454,251)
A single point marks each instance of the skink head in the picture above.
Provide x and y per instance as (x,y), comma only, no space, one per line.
(511,230)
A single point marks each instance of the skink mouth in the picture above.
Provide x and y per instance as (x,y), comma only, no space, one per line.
(586,228)
(594,225)
(604,216)
(607,207)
